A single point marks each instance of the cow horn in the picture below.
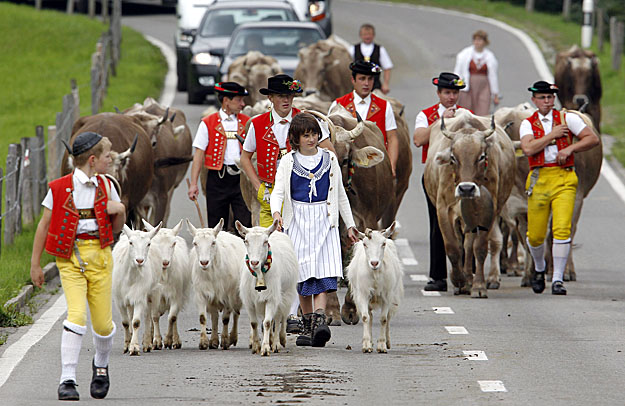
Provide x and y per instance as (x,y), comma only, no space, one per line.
(444,130)
(117,110)
(356,131)
(67,147)
(358,117)
(130,150)
(172,117)
(331,126)
(164,118)
(492,127)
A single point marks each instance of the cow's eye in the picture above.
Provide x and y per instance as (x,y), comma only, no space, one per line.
(452,159)
(482,157)
(149,244)
(130,242)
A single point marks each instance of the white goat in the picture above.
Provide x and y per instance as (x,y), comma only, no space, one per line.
(134,280)
(375,277)
(216,257)
(268,283)
(170,256)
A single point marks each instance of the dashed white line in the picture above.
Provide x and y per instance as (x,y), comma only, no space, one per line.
(492,386)
(402,242)
(410,261)
(443,310)
(456,330)
(430,293)
(475,355)
(418,278)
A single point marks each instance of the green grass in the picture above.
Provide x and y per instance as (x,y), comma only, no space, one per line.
(558,35)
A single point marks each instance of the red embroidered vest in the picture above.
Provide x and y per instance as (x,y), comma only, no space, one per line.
(431,113)
(64,221)
(267,147)
(538,160)
(376,113)
(216,149)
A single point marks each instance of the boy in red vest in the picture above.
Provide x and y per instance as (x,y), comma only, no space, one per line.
(81,213)
(371,107)
(552,182)
(448,87)
(218,144)
(268,137)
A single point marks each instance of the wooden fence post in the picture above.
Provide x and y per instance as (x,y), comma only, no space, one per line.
(600,28)
(617,32)
(76,97)
(26,184)
(70,7)
(1,212)
(12,198)
(566,9)
(38,4)
(105,10)
(91,6)
(54,145)
(38,164)
(529,6)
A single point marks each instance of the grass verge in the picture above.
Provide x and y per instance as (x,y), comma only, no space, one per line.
(552,33)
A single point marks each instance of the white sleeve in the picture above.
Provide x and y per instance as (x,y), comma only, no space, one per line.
(331,106)
(47,201)
(389,118)
(352,50)
(493,65)
(525,129)
(325,132)
(201,137)
(385,59)
(421,121)
(575,123)
(279,185)
(250,139)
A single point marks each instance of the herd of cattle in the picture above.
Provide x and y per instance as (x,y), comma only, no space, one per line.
(473,172)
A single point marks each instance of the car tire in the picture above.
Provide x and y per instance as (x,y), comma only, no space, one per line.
(195,97)
(181,70)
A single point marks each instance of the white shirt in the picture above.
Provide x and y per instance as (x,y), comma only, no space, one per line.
(309,161)
(486,57)
(422,121)
(84,196)
(367,50)
(362,107)
(229,123)
(573,122)
(281,131)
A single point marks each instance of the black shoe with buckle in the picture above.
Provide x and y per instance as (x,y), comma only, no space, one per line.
(438,286)
(538,282)
(99,382)
(557,288)
(67,390)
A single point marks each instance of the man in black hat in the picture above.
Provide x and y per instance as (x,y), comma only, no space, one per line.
(369,51)
(448,87)
(268,137)
(218,144)
(371,107)
(546,140)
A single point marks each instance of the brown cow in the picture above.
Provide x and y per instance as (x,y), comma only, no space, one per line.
(469,174)
(324,69)
(252,71)
(577,76)
(135,171)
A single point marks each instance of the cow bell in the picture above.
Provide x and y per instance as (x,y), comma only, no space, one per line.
(260,285)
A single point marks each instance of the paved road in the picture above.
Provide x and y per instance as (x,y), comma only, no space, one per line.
(543,349)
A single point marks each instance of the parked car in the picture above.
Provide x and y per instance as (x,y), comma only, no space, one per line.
(213,34)
(189,14)
(282,40)
(317,11)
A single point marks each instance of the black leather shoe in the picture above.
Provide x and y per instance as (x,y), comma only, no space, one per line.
(538,282)
(99,382)
(294,325)
(439,285)
(67,390)
(557,288)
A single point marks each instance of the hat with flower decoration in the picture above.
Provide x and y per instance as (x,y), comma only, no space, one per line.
(365,67)
(282,84)
(543,87)
(448,80)
(230,89)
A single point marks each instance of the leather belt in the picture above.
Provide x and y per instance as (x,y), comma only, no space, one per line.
(84,214)
(88,236)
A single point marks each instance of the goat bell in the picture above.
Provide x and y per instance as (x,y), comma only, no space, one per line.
(260,285)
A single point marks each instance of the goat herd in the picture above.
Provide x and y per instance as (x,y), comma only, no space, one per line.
(154,272)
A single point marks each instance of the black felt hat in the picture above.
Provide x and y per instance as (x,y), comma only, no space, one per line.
(83,142)
(282,84)
(230,89)
(543,87)
(448,80)
(365,67)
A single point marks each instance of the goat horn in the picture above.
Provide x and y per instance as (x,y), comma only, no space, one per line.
(164,118)
(172,117)
(444,130)
(492,127)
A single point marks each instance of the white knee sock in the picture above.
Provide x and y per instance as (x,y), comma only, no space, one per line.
(71,341)
(103,346)
(294,306)
(560,252)
(538,253)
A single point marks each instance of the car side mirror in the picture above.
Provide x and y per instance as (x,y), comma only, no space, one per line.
(190,33)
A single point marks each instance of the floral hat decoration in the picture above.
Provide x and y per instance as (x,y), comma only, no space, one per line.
(282,84)
(448,80)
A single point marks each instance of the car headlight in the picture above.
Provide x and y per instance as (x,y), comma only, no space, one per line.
(317,10)
(186,38)
(205,58)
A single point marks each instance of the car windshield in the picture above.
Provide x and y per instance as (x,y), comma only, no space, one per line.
(274,41)
(221,22)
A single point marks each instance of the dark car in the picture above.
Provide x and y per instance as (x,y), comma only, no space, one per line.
(213,34)
(282,40)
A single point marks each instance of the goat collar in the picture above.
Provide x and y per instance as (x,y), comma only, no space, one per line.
(265,266)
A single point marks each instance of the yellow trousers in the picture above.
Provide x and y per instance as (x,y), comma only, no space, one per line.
(266,217)
(554,193)
(93,286)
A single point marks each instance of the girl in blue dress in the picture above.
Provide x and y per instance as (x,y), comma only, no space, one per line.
(307,199)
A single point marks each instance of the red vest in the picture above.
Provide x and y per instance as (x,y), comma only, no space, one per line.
(267,147)
(64,221)
(431,113)
(376,113)
(537,160)
(216,149)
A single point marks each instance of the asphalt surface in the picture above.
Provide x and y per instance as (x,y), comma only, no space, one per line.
(543,349)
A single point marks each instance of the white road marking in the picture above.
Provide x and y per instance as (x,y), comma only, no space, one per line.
(443,310)
(432,293)
(169,88)
(16,352)
(410,261)
(475,355)
(418,278)
(402,242)
(492,386)
(456,330)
